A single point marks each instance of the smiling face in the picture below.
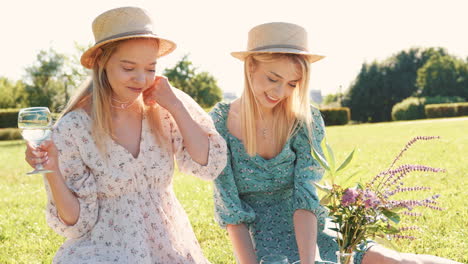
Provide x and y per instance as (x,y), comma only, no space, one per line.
(131,68)
(274,81)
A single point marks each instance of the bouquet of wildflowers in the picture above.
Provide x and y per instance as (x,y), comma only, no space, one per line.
(370,211)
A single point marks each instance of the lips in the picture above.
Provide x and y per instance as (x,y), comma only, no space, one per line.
(271,99)
(136,90)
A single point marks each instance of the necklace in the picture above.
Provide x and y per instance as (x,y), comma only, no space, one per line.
(264,132)
(122,105)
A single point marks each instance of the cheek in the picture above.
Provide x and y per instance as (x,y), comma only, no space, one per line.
(150,78)
(260,85)
(289,92)
(117,76)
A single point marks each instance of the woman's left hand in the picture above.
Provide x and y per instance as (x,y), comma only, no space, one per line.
(161,93)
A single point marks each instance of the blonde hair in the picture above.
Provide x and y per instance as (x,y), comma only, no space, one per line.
(290,114)
(96,93)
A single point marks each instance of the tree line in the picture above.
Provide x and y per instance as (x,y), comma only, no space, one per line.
(53,78)
(417,72)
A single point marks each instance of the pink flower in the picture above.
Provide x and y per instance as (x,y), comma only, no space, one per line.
(349,197)
(370,199)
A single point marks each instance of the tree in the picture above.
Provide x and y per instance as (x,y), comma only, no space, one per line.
(333,98)
(202,87)
(42,82)
(51,76)
(208,92)
(380,85)
(443,76)
(7,100)
(367,93)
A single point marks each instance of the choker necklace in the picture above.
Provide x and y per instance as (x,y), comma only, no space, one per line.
(122,105)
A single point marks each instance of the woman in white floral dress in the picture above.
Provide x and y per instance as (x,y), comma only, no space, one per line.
(112,154)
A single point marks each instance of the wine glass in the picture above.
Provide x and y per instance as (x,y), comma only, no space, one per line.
(36,126)
(274,259)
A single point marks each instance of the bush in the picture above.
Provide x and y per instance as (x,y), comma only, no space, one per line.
(8,118)
(443,99)
(441,110)
(462,109)
(409,109)
(336,116)
(10,134)
(413,107)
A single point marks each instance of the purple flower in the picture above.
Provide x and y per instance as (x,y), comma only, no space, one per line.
(370,199)
(349,197)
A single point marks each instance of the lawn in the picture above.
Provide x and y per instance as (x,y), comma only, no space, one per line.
(26,238)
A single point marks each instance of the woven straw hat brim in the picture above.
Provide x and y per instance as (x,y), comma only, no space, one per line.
(241,55)
(166,46)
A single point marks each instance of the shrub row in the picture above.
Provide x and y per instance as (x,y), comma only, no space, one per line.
(446,110)
(412,108)
(10,133)
(336,116)
(9,118)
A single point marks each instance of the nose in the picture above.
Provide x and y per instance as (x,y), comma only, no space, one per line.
(139,77)
(279,90)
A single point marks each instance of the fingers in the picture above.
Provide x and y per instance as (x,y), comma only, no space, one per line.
(38,154)
(46,144)
(34,157)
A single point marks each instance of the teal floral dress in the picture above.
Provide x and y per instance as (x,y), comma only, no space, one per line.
(263,194)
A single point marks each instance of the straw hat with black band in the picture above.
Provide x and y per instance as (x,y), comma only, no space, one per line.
(123,23)
(278,37)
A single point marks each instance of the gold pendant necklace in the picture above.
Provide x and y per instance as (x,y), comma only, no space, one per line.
(122,105)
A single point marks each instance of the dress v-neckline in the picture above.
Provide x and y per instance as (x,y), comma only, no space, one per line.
(125,150)
(257,156)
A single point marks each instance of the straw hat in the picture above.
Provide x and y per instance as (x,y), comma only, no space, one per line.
(123,23)
(277,37)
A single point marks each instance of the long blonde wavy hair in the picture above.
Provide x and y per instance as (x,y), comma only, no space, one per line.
(289,114)
(96,93)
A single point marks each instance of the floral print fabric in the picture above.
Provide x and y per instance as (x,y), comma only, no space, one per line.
(128,210)
(264,194)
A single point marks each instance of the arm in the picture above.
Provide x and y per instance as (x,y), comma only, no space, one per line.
(309,215)
(195,139)
(66,202)
(231,212)
(72,207)
(305,228)
(242,244)
(68,206)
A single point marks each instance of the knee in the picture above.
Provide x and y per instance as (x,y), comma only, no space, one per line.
(382,255)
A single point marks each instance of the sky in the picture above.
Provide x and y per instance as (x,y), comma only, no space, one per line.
(347,32)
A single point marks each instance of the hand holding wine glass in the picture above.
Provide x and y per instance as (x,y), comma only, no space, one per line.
(36,127)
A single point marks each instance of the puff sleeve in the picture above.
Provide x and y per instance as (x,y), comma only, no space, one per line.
(217,145)
(229,208)
(307,170)
(78,178)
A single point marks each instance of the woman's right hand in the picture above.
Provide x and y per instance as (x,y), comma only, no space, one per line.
(45,154)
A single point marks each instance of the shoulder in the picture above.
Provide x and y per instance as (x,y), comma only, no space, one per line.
(316,126)
(72,120)
(187,100)
(219,111)
(317,118)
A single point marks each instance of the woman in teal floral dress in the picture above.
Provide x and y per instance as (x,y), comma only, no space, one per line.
(265,196)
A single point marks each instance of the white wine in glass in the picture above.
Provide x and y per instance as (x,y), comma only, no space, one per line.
(36,126)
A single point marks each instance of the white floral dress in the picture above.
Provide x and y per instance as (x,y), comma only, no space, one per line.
(128,210)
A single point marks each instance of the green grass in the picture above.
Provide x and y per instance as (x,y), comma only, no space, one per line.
(26,238)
